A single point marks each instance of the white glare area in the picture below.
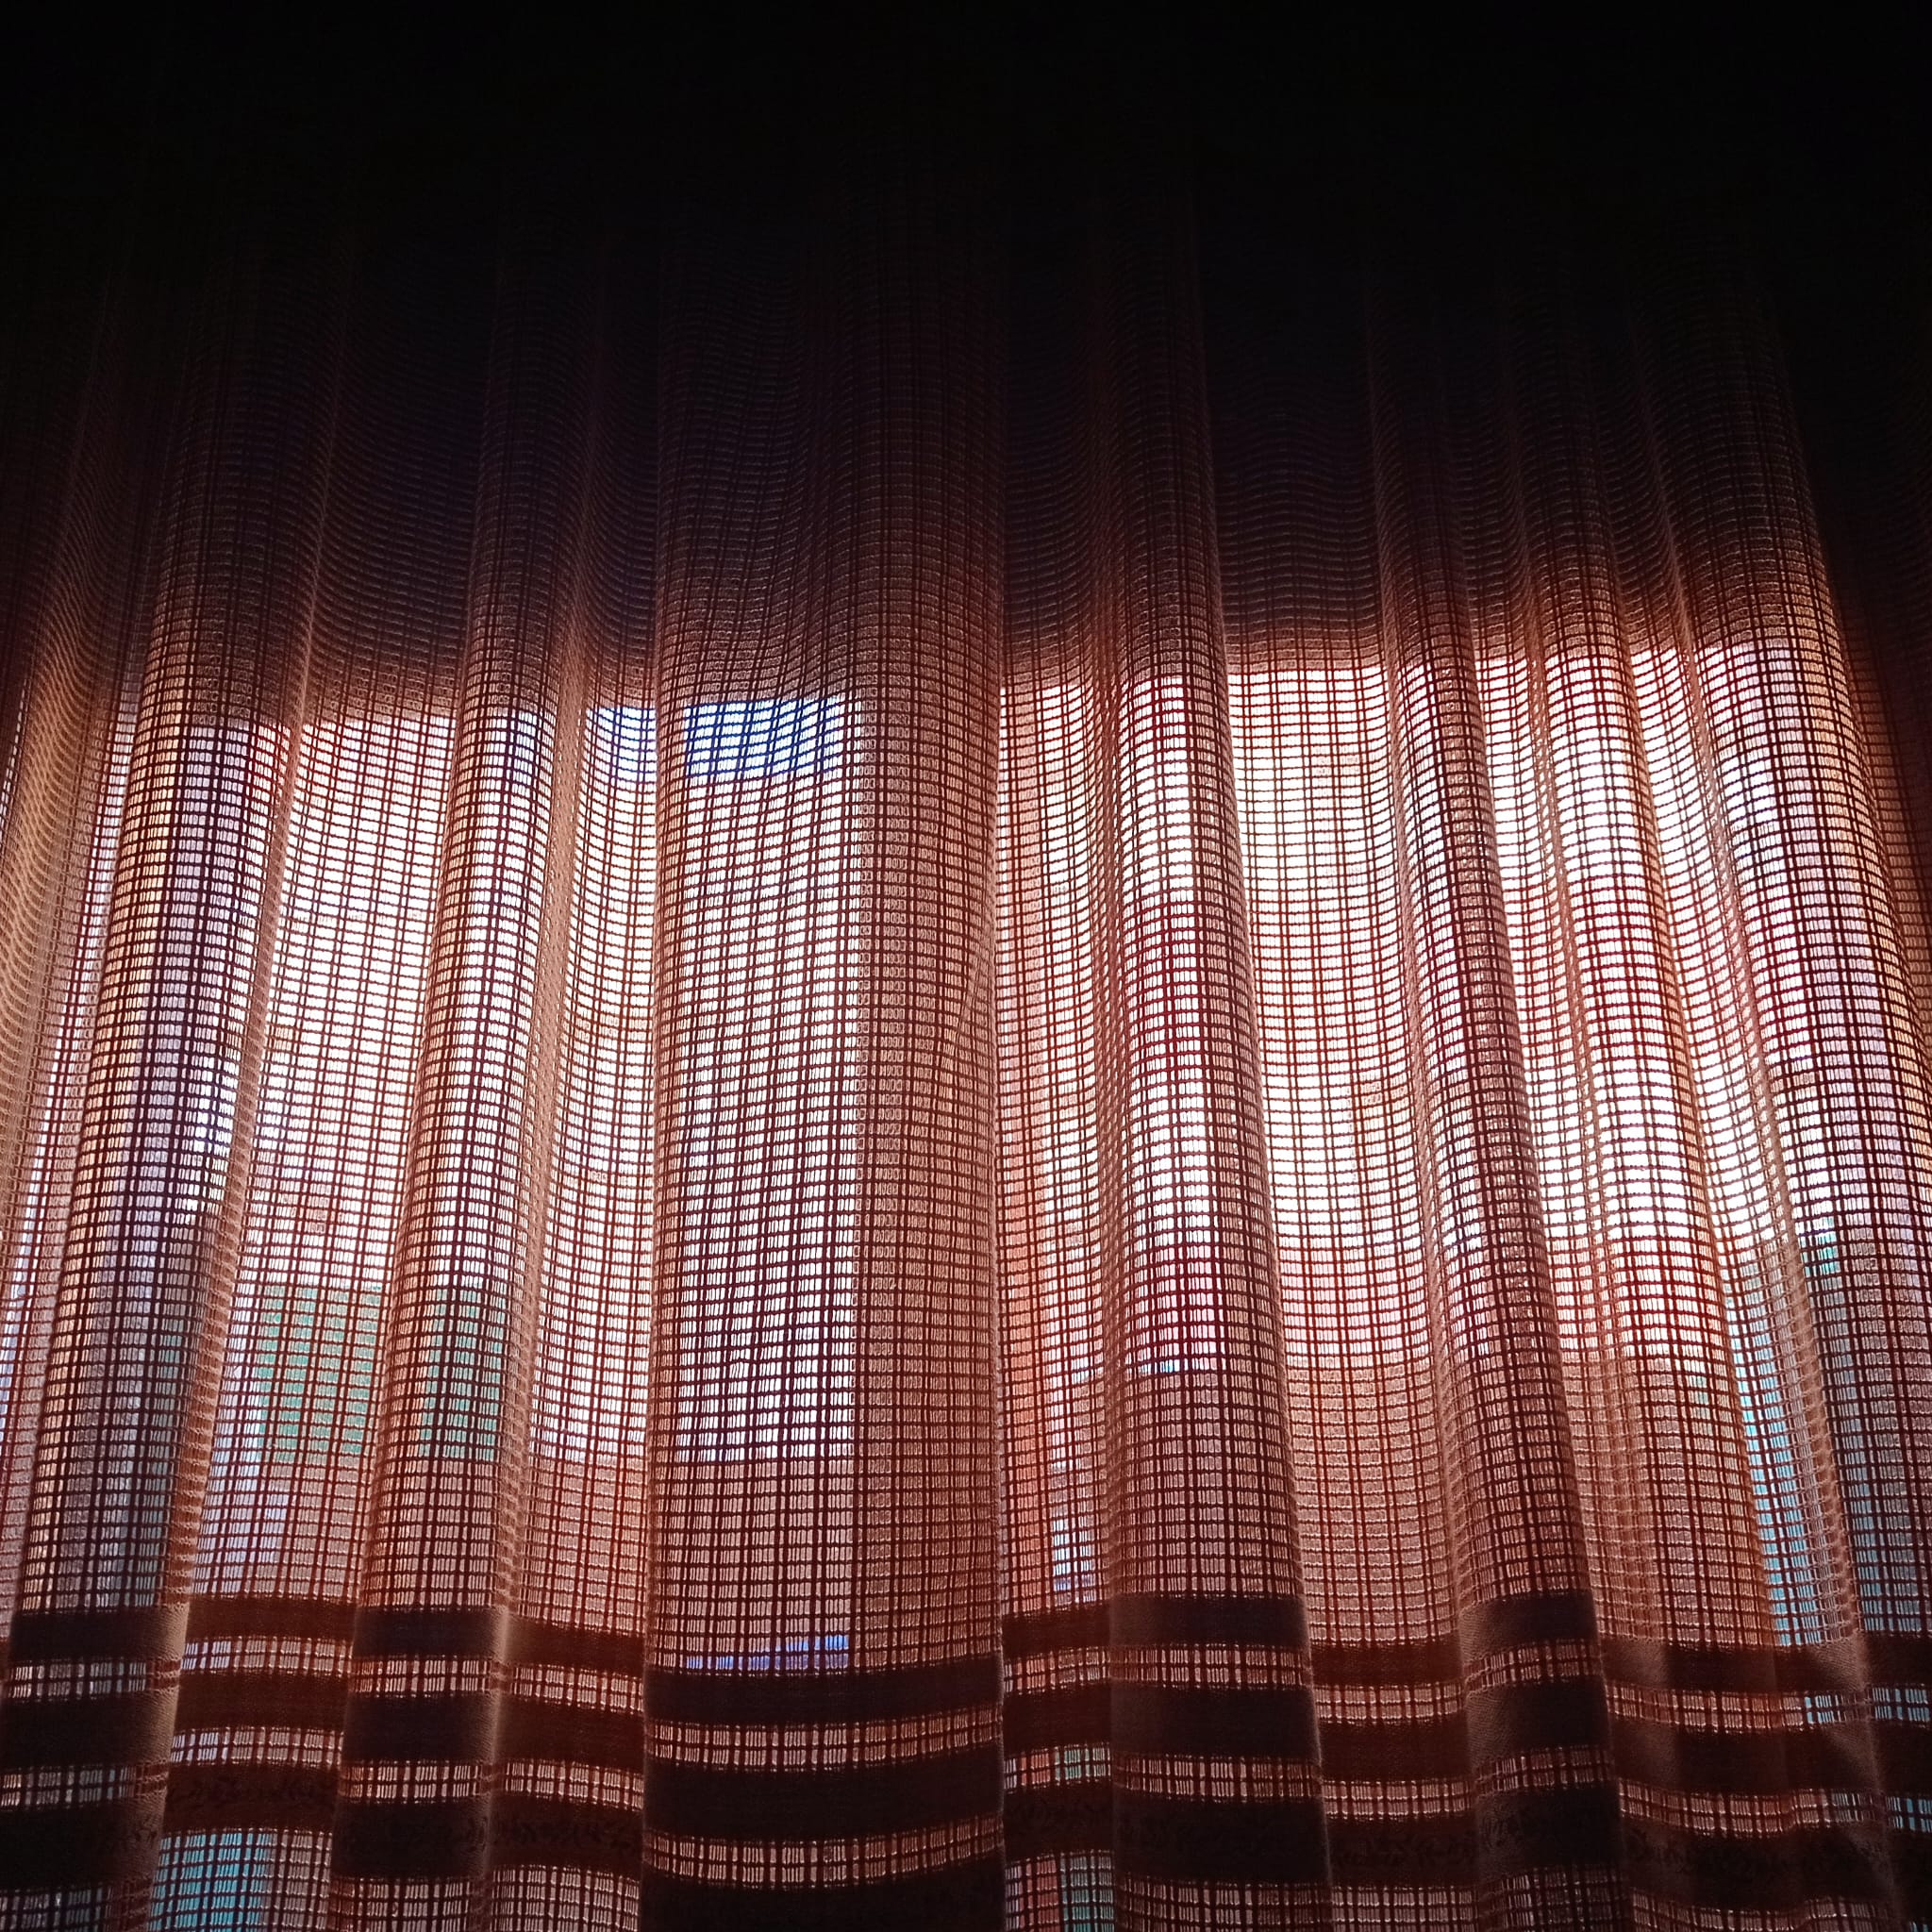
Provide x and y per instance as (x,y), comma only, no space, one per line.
(1050,1076)
(1170,1142)
(1321,885)
(767,1100)
(345,1012)
(594,1338)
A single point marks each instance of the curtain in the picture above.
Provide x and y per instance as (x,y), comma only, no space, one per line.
(896,1070)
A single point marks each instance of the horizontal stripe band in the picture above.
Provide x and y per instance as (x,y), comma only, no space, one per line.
(44,1849)
(132,1727)
(158,1631)
(147,1631)
(211,1618)
(1045,1819)
(1198,1721)
(1268,1622)
(417,1633)
(840,1801)
(1565,1714)
(968,1897)
(1769,1669)
(1257,1721)
(422,1839)
(1912,1865)
(1435,1850)
(1040,1633)
(161,1631)
(1151,1622)
(1070,1714)
(1430,1747)
(1512,1623)
(1741,1872)
(1896,1657)
(463,1727)
(477,1632)
(799,1697)
(251,1797)
(1525,1831)
(1202,1840)
(1442,1850)
(1837,1758)
(523,1829)
(1215,1721)
(1529,1717)
(216,1700)
(529,1830)
(1486,1629)
(569,1734)
(51,1848)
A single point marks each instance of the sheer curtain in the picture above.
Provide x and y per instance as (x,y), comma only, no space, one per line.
(858,1076)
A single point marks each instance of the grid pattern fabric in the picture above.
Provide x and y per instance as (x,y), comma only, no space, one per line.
(861,1074)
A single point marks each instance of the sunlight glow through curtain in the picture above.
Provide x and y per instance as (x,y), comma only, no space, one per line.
(879,1081)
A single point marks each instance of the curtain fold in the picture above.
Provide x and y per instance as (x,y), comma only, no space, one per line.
(1519,1576)
(1160,1703)
(903,1066)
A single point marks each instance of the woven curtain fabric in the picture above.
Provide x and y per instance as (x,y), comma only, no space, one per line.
(858,1075)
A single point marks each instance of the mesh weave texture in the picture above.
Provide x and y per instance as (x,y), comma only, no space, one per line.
(857,1077)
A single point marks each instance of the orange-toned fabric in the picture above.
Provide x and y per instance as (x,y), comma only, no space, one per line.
(874,1080)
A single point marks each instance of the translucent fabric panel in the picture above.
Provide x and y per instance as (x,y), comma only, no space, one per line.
(867,1065)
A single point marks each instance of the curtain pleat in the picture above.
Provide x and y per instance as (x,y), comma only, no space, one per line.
(1159,1719)
(822,1678)
(1525,1615)
(886,1068)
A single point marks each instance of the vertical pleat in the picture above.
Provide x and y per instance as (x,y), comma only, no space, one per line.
(1313,718)
(823,1674)
(1158,1722)
(432,1643)
(1662,1437)
(1056,1179)
(1828,1235)
(278,1569)
(1216,1810)
(172,1091)
(1544,1811)
(75,620)
(566,1829)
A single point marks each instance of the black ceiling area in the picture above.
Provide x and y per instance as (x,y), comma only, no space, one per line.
(1315,144)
